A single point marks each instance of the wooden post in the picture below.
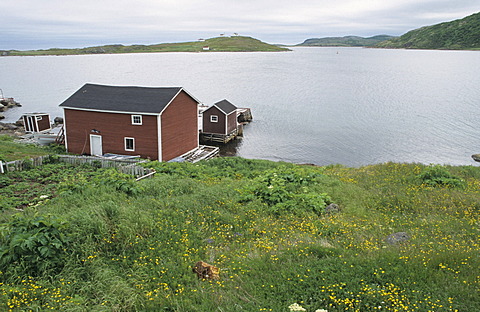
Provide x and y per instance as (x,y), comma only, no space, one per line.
(1,167)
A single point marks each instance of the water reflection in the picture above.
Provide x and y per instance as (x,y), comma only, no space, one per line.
(231,148)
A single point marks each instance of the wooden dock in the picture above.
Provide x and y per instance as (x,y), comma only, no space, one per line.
(244,115)
(203,152)
(219,138)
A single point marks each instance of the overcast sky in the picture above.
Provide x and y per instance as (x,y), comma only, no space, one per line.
(36,24)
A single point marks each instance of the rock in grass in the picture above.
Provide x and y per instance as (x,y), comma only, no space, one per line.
(332,208)
(398,237)
(206,271)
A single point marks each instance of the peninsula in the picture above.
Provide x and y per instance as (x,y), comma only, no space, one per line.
(346,41)
(217,44)
(461,34)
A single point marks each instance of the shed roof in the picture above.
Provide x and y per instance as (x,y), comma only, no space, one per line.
(122,98)
(225,106)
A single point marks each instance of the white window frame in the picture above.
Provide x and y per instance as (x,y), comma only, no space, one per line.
(213,118)
(125,144)
(137,123)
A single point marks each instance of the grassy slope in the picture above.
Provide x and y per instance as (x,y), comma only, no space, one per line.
(135,252)
(9,150)
(347,41)
(459,34)
(219,44)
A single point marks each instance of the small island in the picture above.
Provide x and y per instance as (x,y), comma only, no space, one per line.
(217,44)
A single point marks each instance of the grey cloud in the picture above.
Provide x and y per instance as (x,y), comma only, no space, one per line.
(30,24)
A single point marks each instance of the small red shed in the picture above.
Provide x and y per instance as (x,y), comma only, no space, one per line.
(220,118)
(159,123)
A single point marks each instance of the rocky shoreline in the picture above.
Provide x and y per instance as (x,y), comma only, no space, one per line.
(6,103)
(15,129)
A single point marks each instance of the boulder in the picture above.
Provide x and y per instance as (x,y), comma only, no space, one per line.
(9,126)
(2,108)
(206,271)
(58,120)
(398,237)
(332,208)
(2,117)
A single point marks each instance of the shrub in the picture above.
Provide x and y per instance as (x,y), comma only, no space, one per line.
(51,159)
(287,190)
(109,177)
(35,245)
(437,175)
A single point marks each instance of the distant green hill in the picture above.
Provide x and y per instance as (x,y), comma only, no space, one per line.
(462,34)
(218,44)
(347,41)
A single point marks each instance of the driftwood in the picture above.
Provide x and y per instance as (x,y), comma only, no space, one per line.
(206,271)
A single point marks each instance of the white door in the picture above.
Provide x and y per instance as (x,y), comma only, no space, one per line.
(96,145)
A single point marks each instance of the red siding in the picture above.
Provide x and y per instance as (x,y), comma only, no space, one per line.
(213,127)
(113,129)
(179,127)
(231,122)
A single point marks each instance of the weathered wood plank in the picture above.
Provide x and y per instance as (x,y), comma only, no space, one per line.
(127,166)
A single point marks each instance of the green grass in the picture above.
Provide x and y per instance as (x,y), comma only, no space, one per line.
(134,251)
(219,44)
(9,150)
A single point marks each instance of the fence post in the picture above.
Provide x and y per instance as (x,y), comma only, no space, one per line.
(1,167)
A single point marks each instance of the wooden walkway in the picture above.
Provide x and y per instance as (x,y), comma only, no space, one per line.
(219,138)
(203,152)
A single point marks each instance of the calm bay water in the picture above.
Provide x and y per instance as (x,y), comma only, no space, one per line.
(349,106)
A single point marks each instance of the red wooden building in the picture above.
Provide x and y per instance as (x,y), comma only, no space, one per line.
(220,118)
(155,123)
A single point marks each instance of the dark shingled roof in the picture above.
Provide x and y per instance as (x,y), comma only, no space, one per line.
(226,106)
(122,99)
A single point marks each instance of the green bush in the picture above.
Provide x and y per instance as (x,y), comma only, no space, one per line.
(33,245)
(122,182)
(102,177)
(437,175)
(286,190)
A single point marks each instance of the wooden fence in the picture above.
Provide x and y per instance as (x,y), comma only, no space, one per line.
(127,166)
